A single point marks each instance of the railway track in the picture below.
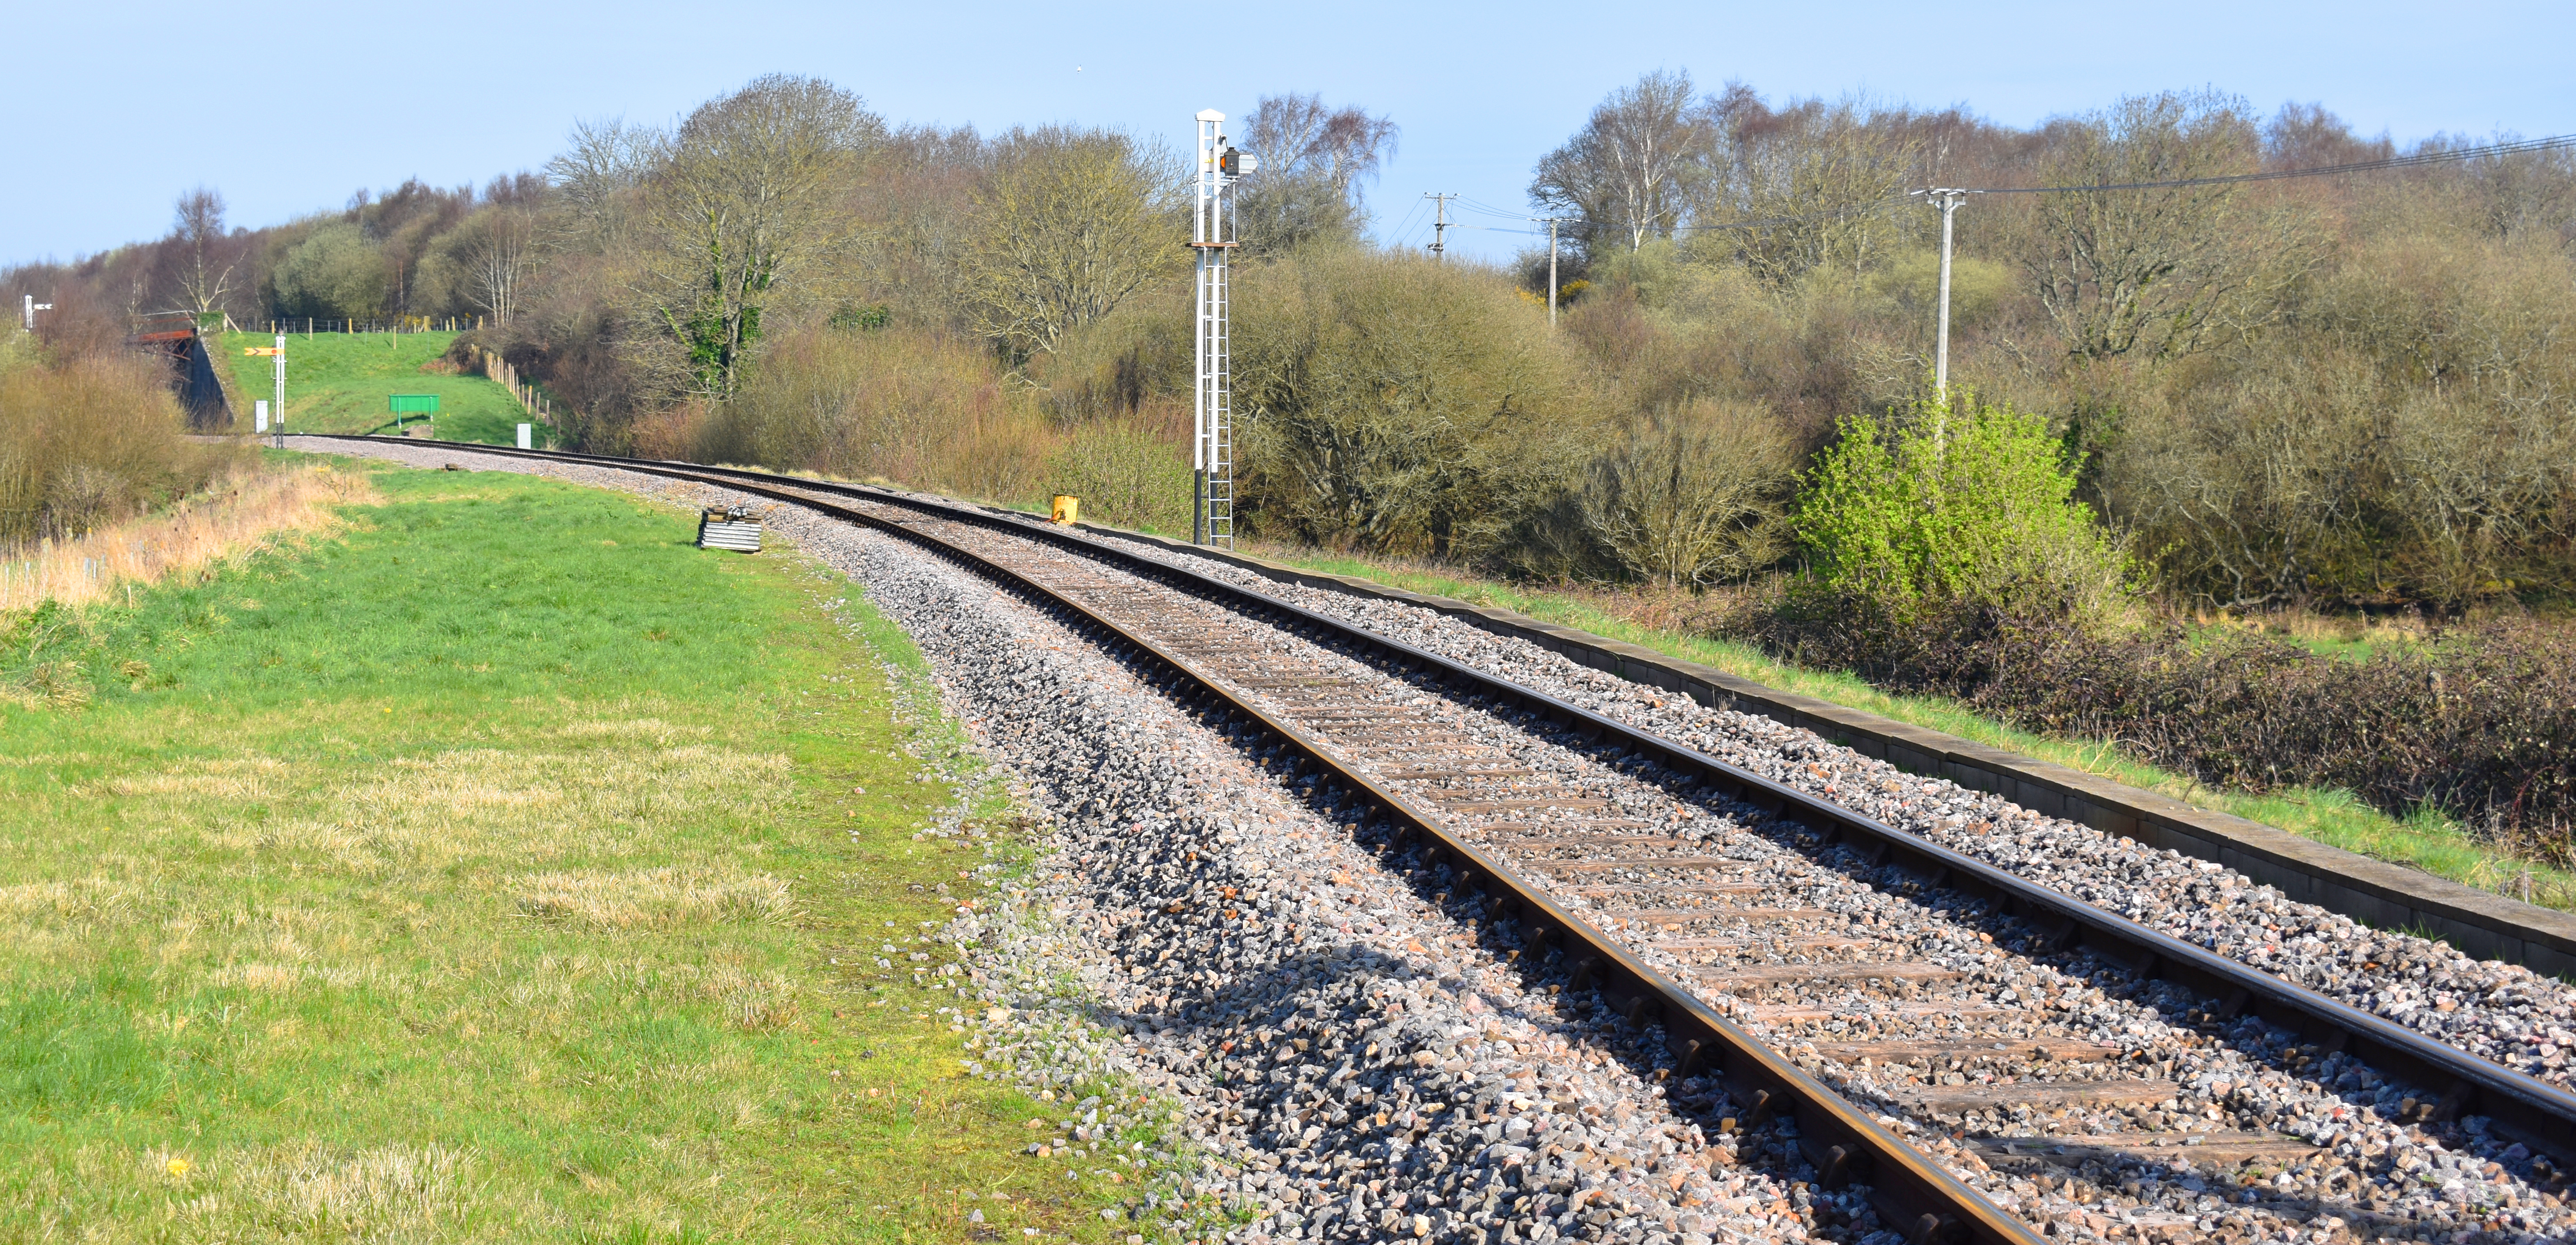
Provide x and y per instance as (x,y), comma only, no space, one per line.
(1971,1056)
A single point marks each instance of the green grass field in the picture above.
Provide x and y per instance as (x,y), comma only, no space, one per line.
(2425,840)
(339,382)
(498,869)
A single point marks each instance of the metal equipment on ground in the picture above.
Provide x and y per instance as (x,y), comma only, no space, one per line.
(729,527)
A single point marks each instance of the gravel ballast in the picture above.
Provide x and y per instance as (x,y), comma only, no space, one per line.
(2502,1012)
(1346,1063)
(1345,1060)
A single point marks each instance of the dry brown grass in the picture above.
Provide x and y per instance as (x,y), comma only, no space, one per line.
(665,898)
(413,814)
(89,436)
(238,515)
(2318,629)
(294,1191)
(312,1192)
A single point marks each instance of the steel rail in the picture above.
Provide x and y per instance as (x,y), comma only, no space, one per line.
(2532,1111)
(1847,1145)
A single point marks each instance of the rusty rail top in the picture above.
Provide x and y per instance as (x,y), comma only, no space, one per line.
(1837,1135)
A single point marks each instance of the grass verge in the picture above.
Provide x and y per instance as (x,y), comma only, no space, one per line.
(500,868)
(2425,840)
(339,382)
(196,532)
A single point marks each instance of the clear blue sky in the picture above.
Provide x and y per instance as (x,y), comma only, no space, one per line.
(287,109)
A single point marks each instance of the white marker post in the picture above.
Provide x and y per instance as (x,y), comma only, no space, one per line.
(281,391)
(525,437)
(273,414)
(259,413)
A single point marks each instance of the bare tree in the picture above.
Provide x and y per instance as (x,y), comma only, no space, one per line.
(1068,224)
(1313,160)
(2307,136)
(600,177)
(2530,193)
(1690,494)
(1632,171)
(205,262)
(1820,186)
(747,199)
(499,255)
(2159,269)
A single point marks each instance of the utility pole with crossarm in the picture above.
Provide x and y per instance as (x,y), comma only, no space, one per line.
(1948,201)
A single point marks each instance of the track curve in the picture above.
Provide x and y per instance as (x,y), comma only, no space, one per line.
(1548,856)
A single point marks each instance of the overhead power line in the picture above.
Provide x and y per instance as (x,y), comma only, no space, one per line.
(2559,143)
(1489,209)
(2455,155)
(1403,230)
(2419,160)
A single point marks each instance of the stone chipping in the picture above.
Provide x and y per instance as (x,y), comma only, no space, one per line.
(2498,1011)
(1341,1062)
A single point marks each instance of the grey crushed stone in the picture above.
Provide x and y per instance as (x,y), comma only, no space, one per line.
(1124,794)
(2502,1012)
(1274,1033)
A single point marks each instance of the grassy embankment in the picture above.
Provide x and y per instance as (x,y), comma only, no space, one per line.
(339,382)
(2425,840)
(241,511)
(480,873)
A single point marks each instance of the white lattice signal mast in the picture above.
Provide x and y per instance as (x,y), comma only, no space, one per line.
(1212,438)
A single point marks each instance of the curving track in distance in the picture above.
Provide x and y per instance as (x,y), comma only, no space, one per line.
(1732,914)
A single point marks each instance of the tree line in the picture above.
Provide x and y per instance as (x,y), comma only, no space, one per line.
(2345,390)
(2350,390)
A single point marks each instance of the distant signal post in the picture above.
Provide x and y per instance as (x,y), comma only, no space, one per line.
(277,421)
(1212,438)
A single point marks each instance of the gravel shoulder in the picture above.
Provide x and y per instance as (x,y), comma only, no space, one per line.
(2502,1012)
(1333,1057)
(1336,1057)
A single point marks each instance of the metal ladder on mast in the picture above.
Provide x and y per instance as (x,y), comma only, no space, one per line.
(1220,478)
(1212,430)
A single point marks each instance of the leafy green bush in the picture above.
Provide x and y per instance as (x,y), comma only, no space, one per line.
(333,272)
(1957,503)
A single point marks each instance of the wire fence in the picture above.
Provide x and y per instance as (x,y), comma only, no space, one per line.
(312,326)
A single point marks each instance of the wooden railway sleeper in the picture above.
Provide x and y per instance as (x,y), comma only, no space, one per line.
(2454,1100)
(2533,1105)
(1689,1057)
(1843,1165)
